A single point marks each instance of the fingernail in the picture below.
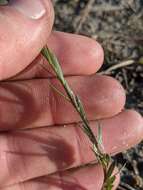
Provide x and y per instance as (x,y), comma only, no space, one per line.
(33,9)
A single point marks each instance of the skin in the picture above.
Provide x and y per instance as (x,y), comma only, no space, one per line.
(49,139)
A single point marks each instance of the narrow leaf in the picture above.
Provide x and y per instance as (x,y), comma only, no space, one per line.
(110,183)
(110,170)
(59,92)
(100,138)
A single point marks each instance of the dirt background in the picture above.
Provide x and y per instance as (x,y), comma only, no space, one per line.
(118,26)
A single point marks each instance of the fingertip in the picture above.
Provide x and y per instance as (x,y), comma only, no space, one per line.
(123,131)
(96,53)
(117,94)
(79,55)
(135,123)
(111,96)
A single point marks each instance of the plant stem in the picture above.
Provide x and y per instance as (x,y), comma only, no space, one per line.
(104,159)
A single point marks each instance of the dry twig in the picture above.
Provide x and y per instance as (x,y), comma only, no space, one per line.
(118,66)
(84,15)
(125,186)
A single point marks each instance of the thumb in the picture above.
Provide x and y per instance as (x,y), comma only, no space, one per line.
(24,29)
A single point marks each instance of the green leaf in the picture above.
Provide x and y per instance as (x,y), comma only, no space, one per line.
(53,61)
(95,149)
(121,169)
(4,2)
(99,138)
(110,183)
(80,105)
(59,92)
(110,170)
(107,159)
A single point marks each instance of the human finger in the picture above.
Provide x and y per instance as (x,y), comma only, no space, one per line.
(78,55)
(89,177)
(37,152)
(24,29)
(34,103)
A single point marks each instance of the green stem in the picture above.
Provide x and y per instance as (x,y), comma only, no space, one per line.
(103,158)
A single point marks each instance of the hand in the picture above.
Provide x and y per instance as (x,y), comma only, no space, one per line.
(42,137)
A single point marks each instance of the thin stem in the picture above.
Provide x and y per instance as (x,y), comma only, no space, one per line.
(104,159)
(118,66)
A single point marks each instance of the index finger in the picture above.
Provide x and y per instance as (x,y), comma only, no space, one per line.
(78,55)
